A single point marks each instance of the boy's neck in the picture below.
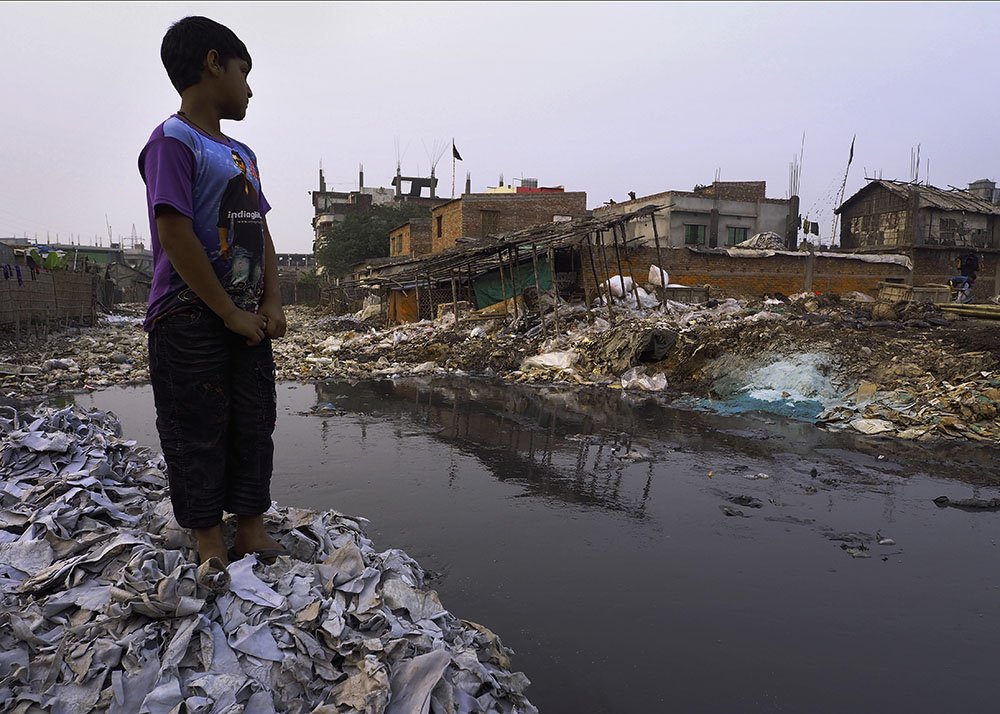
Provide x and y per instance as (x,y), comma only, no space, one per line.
(202,116)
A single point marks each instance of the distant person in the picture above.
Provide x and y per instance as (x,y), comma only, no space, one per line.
(214,305)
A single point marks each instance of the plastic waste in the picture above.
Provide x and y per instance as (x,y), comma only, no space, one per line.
(52,364)
(551,360)
(614,285)
(658,276)
(636,378)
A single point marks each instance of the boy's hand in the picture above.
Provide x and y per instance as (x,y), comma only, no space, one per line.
(274,318)
(251,326)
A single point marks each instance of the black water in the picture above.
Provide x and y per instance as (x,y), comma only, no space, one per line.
(623,586)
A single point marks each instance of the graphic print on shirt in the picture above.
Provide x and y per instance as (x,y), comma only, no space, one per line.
(241,238)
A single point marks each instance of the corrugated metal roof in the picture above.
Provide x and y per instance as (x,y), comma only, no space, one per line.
(931,197)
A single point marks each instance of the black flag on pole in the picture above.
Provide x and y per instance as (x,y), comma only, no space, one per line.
(454,151)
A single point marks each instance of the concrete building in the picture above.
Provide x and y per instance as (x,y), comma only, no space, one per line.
(477,215)
(411,239)
(933,226)
(294,263)
(716,216)
(331,207)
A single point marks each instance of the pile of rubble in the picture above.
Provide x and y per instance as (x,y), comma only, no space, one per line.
(100,606)
(909,370)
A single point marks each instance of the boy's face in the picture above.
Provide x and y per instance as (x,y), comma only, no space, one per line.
(234,91)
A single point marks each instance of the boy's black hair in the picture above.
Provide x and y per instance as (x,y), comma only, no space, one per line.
(188,41)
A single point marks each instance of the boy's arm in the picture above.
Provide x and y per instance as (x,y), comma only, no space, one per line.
(270,305)
(188,257)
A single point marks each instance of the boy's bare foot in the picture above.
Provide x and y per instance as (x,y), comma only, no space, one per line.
(212,559)
(211,544)
(251,537)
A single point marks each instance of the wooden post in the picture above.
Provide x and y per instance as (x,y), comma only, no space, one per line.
(597,283)
(538,287)
(586,304)
(416,287)
(430,296)
(503,285)
(514,278)
(555,289)
(607,269)
(618,260)
(635,286)
(454,299)
(656,239)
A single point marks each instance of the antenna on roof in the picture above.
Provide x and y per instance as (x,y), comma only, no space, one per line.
(915,164)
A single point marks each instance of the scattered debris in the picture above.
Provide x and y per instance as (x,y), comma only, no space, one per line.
(747,501)
(924,374)
(969,504)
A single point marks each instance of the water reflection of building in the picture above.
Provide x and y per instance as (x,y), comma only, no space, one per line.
(513,433)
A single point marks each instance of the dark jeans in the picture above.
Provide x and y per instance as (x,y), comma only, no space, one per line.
(215,413)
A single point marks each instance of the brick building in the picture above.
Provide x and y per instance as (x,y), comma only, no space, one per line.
(718,215)
(932,226)
(411,239)
(476,215)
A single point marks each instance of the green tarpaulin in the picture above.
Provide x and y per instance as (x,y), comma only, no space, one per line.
(489,291)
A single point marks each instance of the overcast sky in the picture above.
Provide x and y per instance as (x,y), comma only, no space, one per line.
(605,98)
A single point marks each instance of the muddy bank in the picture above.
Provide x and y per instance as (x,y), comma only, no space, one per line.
(912,371)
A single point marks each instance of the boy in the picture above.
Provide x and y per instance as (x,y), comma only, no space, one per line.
(214,304)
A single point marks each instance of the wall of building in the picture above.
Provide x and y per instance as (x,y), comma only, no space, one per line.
(399,241)
(420,236)
(51,297)
(743,277)
(690,209)
(446,225)
(476,215)
(882,219)
(975,230)
(932,264)
(381,196)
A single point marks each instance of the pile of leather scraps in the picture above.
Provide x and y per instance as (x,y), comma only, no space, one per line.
(924,408)
(100,606)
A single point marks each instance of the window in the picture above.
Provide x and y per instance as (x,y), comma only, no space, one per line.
(735,235)
(440,232)
(694,235)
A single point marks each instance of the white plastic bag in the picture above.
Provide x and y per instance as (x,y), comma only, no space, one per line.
(658,276)
(551,360)
(614,285)
(636,378)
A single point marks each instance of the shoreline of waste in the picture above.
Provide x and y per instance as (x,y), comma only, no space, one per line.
(101,608)
(905,370)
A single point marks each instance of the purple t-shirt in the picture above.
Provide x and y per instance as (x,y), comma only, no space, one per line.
(216,184)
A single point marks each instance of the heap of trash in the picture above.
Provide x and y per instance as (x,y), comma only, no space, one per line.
(935,373)
(101,609)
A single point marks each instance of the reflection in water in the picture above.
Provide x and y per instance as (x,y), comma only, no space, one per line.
(519,439)
(518,431)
